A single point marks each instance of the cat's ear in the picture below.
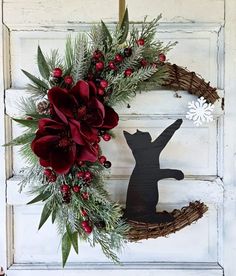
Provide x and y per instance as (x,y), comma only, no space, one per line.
(127,135)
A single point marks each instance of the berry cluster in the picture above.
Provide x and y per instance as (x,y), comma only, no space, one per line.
(58,77)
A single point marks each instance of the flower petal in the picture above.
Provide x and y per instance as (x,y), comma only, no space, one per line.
(75,132)
(111,118)
(81,91)
(90,134)
(87,153)
(93,88)
(50,127)
(43,146)
(63,103)
(62,160)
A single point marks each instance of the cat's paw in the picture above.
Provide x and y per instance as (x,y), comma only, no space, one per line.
(178,122)
(179,175)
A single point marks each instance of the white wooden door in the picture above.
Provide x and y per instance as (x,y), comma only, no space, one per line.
(206,33)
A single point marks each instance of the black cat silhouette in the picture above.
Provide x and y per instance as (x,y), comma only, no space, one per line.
(142,194)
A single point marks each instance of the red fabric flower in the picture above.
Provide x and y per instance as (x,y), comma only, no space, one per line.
(82,105)
(72,133)
(59,148)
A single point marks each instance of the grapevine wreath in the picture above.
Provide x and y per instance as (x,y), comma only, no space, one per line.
(71,109)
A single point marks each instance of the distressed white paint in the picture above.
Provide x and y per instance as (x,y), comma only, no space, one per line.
(173,107)
(196,250)
(153,250)
(41,14)
(146,269)
(209,189)
(230,142)
(3,234)
(151,119)
(202,40)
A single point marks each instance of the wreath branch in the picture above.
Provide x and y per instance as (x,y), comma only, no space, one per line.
(182,218)
(180,78)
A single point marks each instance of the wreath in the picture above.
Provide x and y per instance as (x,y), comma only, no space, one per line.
(69,111)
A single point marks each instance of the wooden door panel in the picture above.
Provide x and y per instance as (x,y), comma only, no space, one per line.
(198,26)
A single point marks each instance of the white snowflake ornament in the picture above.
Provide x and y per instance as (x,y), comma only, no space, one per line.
(200,111)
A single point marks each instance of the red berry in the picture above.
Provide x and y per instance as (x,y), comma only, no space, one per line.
(57,72)
(162,58)
(119,58)
(112,65)
(106,137)
(48,172)
(65,188)
(103,84)
(80,174)
(87,175)
(99,66)
(84,213)
(100,91)
(85,196)
(76,189)
(68,80)
(143,62)
(128,72)
(52,178)
(98,139)
(85,223)
(102,159)
(127,52)
(140,42)
(97,54)
(88,229)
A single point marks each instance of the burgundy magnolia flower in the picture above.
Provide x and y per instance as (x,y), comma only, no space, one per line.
(82,111)
(58,147)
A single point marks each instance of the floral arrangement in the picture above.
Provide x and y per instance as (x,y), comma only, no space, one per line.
(69,111)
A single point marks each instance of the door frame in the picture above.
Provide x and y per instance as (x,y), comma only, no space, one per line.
(229,178)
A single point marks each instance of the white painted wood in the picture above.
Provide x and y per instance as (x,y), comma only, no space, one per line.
(229,140)
(185,143)
(173,195)
(202,40)
(20,14)
(3,209)
(146,269)
(191,188)
(151,119)
(174,107)
(31,250)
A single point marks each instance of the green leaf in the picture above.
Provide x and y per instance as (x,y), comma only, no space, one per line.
(124,27)
(73,238)
(41,197)
(65,247)
(42,65)
(45,214)
(35,80)
(21,140)
(106,34)
(54,215)
(37,116)
(33,124)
